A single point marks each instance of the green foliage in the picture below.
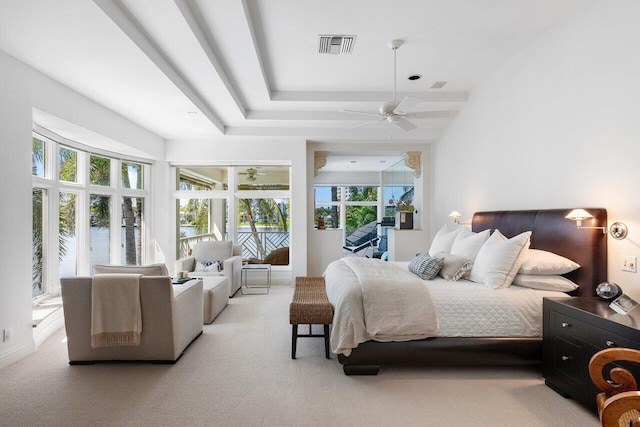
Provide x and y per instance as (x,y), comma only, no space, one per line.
(99,211)
(67,160)
(358,216)
(196,212)
(362,194)
(37,248)
(100,170)
(37,154)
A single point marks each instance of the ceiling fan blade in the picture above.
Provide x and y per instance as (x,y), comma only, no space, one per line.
(408,104)
(366,113)
(366,123)
(405,124)
(446,114)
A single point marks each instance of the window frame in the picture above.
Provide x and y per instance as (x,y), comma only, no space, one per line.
(83,190)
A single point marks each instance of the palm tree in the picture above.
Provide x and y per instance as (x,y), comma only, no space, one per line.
(131,216)
(265,211)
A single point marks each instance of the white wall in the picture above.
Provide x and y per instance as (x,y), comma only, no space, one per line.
(246,150)
(556,127)
(22,89)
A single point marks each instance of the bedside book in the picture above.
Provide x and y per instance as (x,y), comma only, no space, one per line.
(623,304)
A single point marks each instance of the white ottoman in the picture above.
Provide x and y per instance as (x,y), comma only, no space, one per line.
(216,297)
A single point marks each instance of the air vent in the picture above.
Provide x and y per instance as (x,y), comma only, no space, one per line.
(335,45)
(438,85)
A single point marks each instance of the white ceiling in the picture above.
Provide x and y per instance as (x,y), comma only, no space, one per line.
(194,69)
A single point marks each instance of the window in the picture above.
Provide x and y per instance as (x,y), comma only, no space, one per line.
(75,194)
(39,237)
(67,164)
(263,226)
(359,204)
(132,175)
(37,157)
(67,233)
(247,204)
(100,229)
(132,232)
(100,171)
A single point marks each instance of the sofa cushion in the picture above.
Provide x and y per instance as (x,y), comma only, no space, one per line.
(213,251)
(146,270)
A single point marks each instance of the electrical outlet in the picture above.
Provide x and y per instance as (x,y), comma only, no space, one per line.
(6,335)
(629,263)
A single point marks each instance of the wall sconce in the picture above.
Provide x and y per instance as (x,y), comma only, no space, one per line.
(455,215)
(618,230)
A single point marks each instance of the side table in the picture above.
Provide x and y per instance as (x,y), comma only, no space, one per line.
(253,270)
(575,328)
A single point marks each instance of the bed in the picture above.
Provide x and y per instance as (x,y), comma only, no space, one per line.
(459,343)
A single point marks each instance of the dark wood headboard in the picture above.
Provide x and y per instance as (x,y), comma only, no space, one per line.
(551,231)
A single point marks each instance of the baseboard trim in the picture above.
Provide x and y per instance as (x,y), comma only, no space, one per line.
(16,354)
(47,327)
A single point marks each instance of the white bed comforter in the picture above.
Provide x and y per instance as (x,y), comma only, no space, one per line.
(462,308)
(375,300)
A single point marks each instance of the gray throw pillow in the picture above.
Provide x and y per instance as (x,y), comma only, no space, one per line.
(425,267)
(454,267)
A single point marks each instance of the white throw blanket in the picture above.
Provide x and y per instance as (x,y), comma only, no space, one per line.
(377,300)
(116,315)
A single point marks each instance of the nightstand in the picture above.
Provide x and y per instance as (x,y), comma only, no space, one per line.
(574,330)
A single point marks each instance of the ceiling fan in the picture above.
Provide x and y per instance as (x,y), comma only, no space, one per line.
(251,173)
(397,112)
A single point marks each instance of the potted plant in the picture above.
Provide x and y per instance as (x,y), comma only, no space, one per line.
(404,215)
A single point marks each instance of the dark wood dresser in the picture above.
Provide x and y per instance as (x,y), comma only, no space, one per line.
(574,329)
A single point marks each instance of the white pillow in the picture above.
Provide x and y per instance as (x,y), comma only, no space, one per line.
(467,244)
(537,261)
(207,266)
(546,283)
(454,267)
(443,240)
(499,259)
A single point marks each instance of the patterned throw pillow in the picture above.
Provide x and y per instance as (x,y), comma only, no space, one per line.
(425,267)
(208,266)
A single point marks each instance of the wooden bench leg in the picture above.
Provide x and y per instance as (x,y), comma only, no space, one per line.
(294,340)
(326,342)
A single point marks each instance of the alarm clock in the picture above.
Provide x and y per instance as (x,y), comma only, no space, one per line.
(608,291)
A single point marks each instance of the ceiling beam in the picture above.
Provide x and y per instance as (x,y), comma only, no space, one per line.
(194,19)
(371,134)
(365,96)
(333,115)
(125,20)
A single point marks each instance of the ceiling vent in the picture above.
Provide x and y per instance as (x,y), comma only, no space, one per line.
(336,45)
(438,85)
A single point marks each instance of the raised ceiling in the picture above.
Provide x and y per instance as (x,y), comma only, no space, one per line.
(212,69)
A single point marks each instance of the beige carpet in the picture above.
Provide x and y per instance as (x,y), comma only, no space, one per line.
(240,373)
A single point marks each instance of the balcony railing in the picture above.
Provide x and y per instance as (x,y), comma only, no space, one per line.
(270,241)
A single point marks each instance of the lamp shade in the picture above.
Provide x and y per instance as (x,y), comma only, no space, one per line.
(455,214)
(578,215)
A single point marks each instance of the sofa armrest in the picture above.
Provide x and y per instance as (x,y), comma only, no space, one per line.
(185,264)
(232,270)
(187,314)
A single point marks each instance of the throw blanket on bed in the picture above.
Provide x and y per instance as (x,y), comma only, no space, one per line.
(376,300)
(116,315)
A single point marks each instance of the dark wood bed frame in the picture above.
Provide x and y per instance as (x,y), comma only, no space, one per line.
(551,231)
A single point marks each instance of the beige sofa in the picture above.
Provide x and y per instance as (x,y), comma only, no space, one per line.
(223,250)
(171,318)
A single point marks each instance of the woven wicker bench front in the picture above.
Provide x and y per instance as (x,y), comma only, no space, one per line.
(310,306)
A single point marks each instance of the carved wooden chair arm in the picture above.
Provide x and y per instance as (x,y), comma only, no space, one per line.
(617,406)
(621,380)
